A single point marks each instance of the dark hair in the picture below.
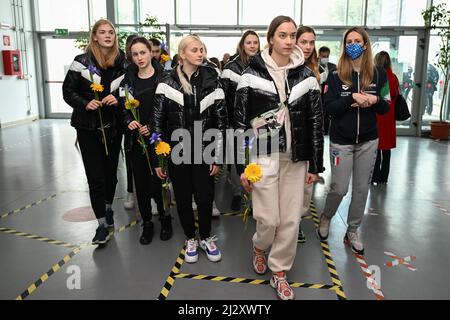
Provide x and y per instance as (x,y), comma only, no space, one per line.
(130,38)
(155,42)
(312,62)
(324,49)
(215,61)
(383,60)
(240,48)
(276,22)
(141,40)
(175,59)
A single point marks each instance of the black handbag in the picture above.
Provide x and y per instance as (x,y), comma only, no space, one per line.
(401,109)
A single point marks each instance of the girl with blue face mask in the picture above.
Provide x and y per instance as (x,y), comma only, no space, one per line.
(354,94)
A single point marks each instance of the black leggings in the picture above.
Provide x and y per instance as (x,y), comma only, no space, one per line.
(382,166)
(147,185)
(188,179)
(128,166)
(101,170)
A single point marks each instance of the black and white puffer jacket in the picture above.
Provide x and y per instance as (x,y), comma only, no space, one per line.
(257,94)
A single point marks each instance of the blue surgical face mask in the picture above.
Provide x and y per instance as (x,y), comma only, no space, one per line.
(354,50)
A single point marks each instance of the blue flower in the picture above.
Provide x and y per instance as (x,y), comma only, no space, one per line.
(155,137)
(249,142)
(93,70)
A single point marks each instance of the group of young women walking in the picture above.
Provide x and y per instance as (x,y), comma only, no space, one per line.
(283,80)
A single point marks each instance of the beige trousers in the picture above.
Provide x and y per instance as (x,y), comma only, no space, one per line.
(277,203)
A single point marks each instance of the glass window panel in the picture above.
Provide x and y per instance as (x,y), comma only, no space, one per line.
(411,12)
(98,10)
(207,12)
(63,14)
(164,11)
(383,12)
(333,12)
(261,12)
(125,12)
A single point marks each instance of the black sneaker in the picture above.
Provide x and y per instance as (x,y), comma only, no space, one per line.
(109,217)
(236,203)
(301,236)
(102,235)
(147,233)
(166,227)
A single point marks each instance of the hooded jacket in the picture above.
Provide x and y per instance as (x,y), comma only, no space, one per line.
(350,125)
(173,109)
(259,91)
(77,92)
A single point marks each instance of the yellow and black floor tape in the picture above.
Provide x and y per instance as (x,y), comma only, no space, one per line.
(328,258)
(253,281)
(38,238)
(171,278)
(26,207)
(63,261)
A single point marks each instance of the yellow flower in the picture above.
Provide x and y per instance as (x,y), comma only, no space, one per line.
(131,104)
(162,148)
(253,172)
(164,58)
(96,87)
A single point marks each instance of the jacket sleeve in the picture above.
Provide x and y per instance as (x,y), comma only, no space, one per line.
(315,120)
(384,97)
(71,90)
(125,116)
(241,121)
(221,118)
(158,122)
(334,103)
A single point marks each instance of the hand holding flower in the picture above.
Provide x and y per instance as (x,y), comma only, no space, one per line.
(133,125)
(93,105)
(143,130)
(162,174)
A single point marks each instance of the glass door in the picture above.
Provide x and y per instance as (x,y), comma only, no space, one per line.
(57,56)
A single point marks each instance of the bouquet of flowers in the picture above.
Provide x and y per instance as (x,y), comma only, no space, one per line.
(133,105)
(162,150)
(96,88)
(253,173)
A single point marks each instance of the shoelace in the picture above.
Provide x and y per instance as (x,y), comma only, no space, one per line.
(210,242)
(282,285)
(191,245)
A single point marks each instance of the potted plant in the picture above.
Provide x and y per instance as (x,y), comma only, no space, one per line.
(438,18)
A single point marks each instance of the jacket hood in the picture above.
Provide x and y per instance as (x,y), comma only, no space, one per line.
(296,59)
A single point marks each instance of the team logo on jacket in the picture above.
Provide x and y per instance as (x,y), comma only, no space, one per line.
(325,90)
(345,87)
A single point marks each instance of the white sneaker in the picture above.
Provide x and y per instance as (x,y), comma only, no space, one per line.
(212,252)
(215,211)
(129,203)
(351,239)
(324,228)
(191,255)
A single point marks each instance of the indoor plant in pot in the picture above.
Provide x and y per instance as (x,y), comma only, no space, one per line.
(438,18)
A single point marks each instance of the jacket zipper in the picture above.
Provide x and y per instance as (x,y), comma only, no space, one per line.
(357,129)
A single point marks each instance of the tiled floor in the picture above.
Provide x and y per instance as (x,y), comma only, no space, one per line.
(408,217)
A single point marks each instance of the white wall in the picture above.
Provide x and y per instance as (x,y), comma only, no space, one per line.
(15,105)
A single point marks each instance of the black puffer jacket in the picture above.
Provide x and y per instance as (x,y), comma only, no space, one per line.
(230,77)
(77,91)
(257,93)
(145,98)
(173,109)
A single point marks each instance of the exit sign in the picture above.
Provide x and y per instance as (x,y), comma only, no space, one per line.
(61,32)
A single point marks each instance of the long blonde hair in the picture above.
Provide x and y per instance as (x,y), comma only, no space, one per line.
(108,60)
(345,67)
(184,43)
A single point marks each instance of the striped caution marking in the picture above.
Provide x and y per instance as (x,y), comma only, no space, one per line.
(173,273)
(20,210)
(38,238)
(48,274)
(400,261)
(253,281)
(376,289)
(62,262)
(328,258)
